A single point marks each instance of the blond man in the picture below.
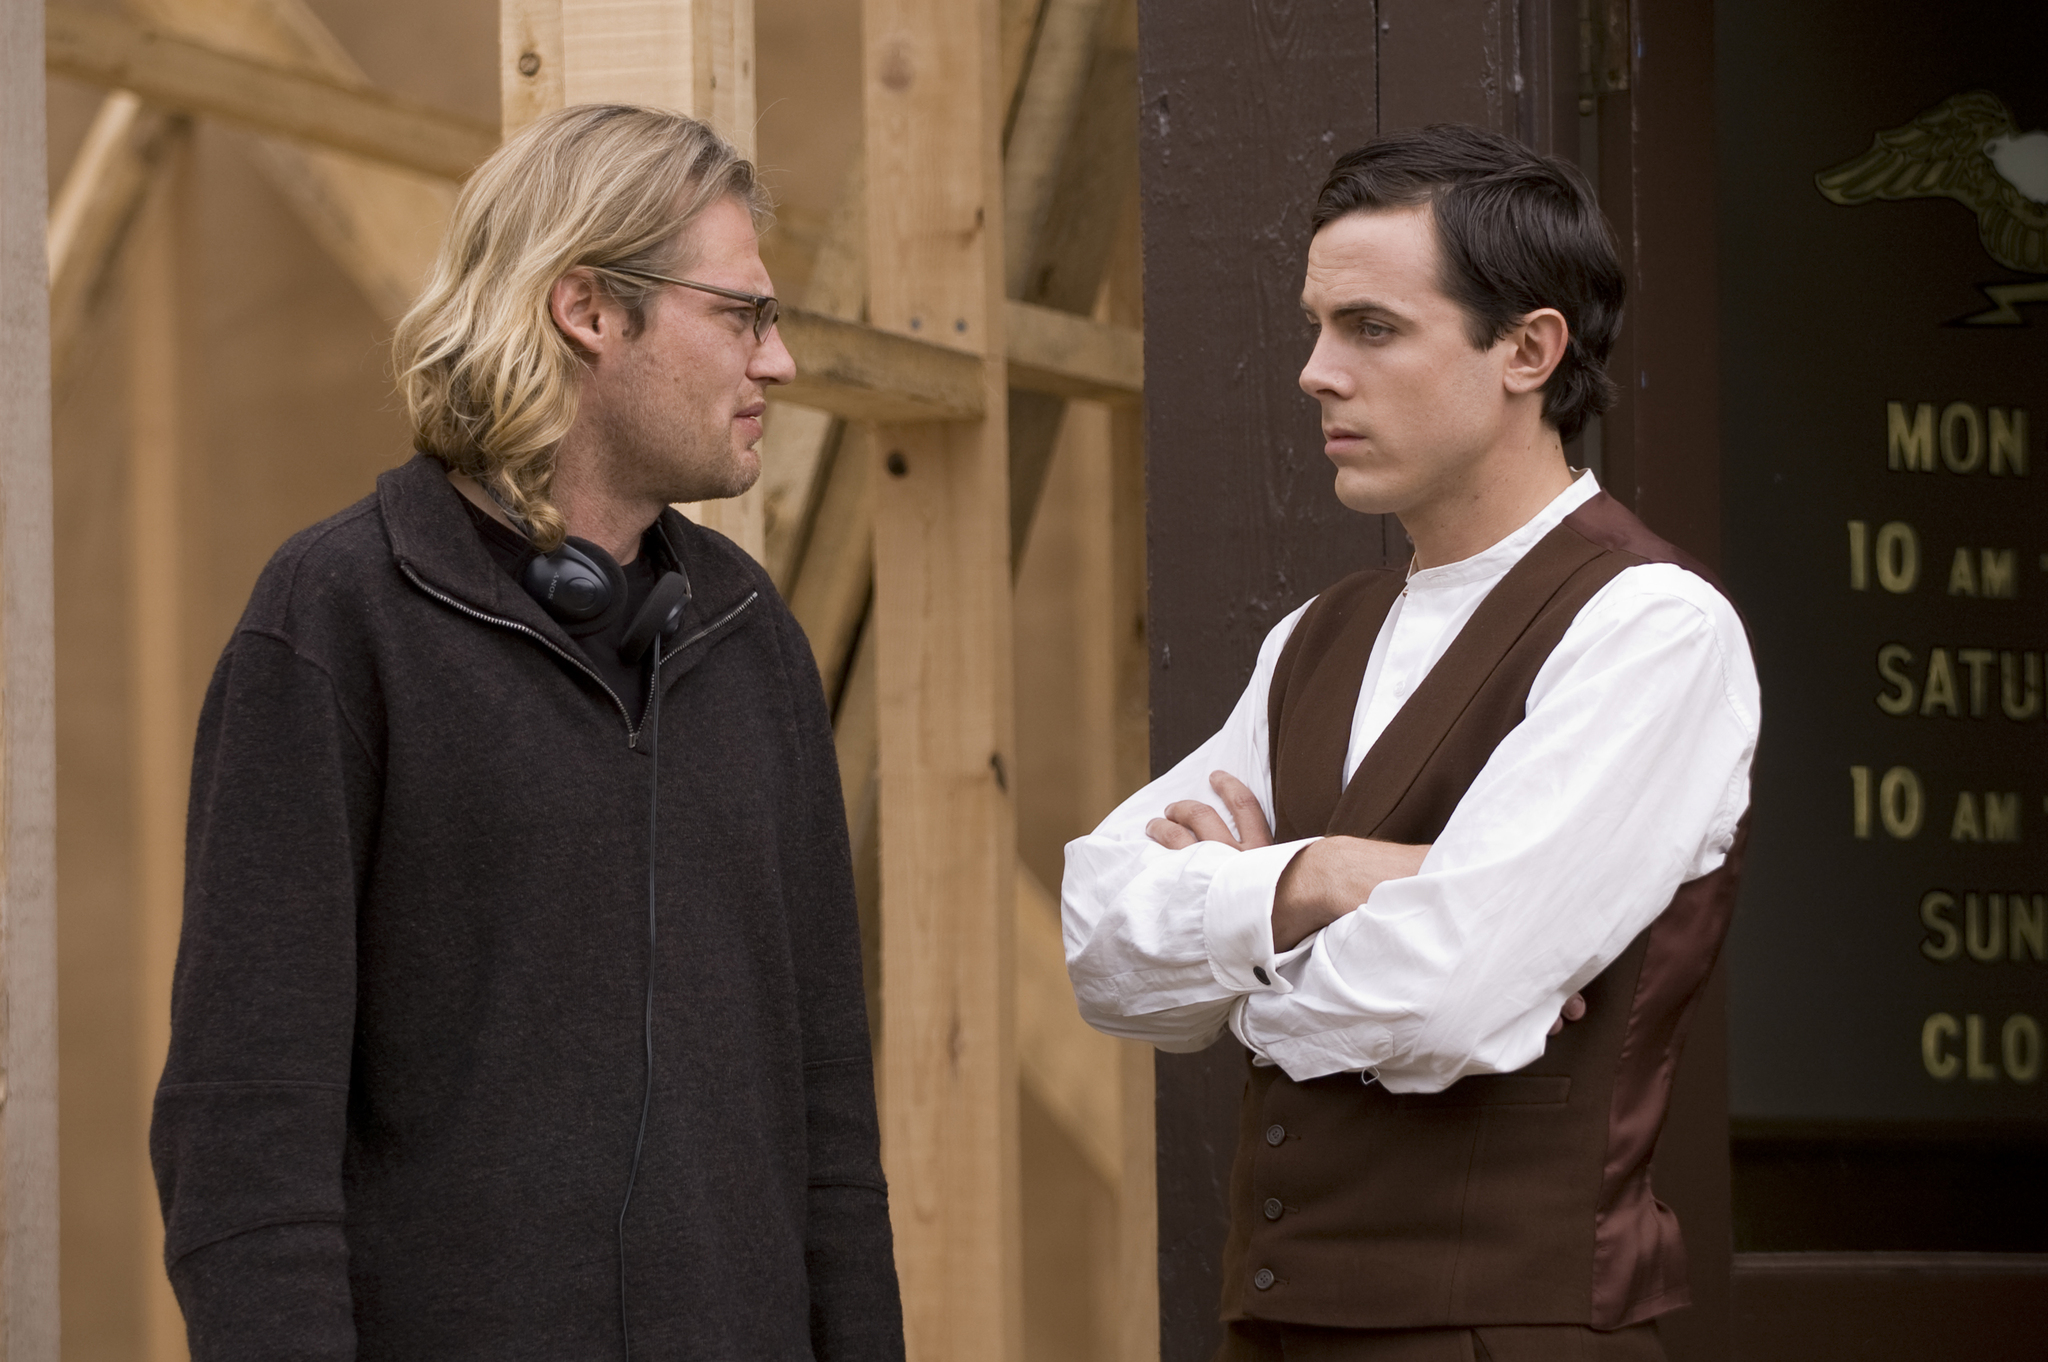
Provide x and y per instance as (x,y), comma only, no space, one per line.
(518,1009)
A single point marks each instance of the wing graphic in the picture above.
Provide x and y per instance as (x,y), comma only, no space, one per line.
(1941,154)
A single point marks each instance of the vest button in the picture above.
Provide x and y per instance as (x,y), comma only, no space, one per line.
(1263,1278)
(1275,1134)
(1273,1208)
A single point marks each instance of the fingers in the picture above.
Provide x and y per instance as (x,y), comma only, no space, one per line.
(1574,1008)
(1244,808)
(1201,820)
(1170,834)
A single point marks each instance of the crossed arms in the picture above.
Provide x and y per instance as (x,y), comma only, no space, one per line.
(1424,964)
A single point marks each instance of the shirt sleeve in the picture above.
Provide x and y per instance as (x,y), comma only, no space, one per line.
(251,1115)
(1161,944)
(1626,778)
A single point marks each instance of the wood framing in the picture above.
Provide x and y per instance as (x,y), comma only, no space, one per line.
(28,938)
(942,620)
(102,192)
(110,50)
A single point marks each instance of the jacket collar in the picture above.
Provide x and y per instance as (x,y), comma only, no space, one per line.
(433,541)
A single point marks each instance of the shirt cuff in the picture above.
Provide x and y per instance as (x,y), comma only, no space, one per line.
(1237,919)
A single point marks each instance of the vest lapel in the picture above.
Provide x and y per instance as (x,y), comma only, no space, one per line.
(1315,689)
(1519,604)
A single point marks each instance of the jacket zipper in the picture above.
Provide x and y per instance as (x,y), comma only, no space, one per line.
(632,729)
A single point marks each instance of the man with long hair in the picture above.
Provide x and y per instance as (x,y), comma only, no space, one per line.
(1454,797)
(518,1010)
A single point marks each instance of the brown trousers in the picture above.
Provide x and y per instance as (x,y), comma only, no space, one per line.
(1259,1341)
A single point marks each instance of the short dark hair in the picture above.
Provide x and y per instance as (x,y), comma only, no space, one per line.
(1516,232)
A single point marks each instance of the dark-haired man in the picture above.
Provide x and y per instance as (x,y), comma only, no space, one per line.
(1452,798)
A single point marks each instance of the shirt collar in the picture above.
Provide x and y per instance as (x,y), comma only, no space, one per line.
(1493,562)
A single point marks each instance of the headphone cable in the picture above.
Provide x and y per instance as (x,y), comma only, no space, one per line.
(652,727)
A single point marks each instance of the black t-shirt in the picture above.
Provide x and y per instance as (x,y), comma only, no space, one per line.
(511,550)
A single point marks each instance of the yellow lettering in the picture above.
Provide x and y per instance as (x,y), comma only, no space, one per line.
(2021,1041)
(1979,661)
(1899,803)
(1937,1033)
(1892,661)
(1978,1068)
(2025,921)
(2019,702)
(2009,442)
(1962,575)
(1944,942)
(1940,687)
(2001,816)
(1961,454)
(1859,794)
(1859,556)
(1998,573)
(1909,448)
(1898,557)
(1964,827)
(1984,926)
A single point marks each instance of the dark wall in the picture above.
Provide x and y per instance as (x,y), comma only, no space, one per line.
(1242,109)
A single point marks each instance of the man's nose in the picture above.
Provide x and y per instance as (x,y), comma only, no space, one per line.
(1320,375)
(772,361)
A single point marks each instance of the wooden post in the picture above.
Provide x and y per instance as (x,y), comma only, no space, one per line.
(693,55)
(160,719)
(28,946)
(942,612)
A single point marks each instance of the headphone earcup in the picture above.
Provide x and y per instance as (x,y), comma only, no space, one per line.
(578,584)
(661,612)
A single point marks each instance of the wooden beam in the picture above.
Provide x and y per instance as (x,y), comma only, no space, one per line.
(379,223)
(160,718)
(1041,125)
(28,922)
(865,373)
(103,190)
(1074,1071)
(942,616)
(108,49)
(1071,356)
(831,595)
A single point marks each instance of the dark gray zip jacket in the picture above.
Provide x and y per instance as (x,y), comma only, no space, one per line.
(406,1050)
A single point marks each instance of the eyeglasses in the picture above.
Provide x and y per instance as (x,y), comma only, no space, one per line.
(766,309)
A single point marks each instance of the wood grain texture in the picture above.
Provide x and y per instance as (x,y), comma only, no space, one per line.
(168,70)
(159,714)
(871,374)
(1242,111)
(28,945)
(102,192)
(942,624)
(1073,356)
(1074,1071)
(380,224)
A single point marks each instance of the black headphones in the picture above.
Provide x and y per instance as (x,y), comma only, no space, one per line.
(583,588)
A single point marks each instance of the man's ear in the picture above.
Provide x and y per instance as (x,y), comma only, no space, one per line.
(1536,345)
(584,313)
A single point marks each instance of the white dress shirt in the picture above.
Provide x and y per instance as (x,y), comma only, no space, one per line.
(1625,779)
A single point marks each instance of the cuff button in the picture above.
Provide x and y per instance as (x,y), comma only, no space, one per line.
(1263,1278)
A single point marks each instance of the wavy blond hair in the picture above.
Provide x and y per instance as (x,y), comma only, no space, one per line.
(490,383)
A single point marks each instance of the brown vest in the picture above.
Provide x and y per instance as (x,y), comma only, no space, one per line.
(1519,1198)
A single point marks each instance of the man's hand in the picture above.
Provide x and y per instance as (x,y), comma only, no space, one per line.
(1189,821)
(1331,877)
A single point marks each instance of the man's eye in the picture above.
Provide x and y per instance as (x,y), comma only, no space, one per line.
(1373,330)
